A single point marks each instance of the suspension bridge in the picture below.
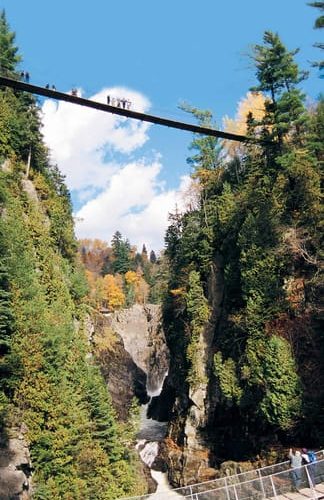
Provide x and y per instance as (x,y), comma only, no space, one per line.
(158,120)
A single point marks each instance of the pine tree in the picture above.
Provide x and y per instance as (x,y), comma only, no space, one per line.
(9,57)
(207,149)
(121,252)
(144,254)
(319,23)
(152,257)
(279,76)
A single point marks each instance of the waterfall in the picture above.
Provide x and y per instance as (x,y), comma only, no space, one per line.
(150,434)
(141,330)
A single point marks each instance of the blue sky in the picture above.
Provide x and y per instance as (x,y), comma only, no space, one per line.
(164,52)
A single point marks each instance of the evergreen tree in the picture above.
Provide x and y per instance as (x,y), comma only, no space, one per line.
(9,57)
(207,149)
(257,227)
(152,257)
(144,254)
(121,252)
(319,23)
(278,75)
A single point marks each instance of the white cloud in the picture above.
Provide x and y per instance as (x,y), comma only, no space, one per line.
(81,138)
(135,203)
(129,197)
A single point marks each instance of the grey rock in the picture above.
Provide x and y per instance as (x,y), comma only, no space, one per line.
(15,465)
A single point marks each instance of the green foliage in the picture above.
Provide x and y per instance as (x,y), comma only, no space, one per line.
(121,251)
(319,23)
(72,430)
(227,377)
(208,148)
(252,244)
(198,314)
(272,367)
(278,75)
(9,57)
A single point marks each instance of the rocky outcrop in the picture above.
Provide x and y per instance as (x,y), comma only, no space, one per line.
(187,450)
(124,378)
(140,327)
(15,465)
(131,348)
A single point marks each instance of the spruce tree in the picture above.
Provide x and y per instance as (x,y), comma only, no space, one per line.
(152,257)
(278,76)
(319,23)
(121,252)
(9,57)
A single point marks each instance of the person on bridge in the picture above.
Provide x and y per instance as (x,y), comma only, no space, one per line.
(309,459)
(295,463)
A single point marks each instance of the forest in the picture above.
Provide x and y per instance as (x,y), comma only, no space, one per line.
(242,267)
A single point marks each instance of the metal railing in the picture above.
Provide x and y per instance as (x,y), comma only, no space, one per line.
(265,487)
(266,482)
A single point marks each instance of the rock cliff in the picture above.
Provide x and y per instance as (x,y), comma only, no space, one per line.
(131,348)
(187,449)
(140,328)
(15,465)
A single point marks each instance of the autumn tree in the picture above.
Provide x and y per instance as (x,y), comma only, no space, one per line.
(113,294)
(251,106)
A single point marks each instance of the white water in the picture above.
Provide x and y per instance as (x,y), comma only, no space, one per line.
(151,430)
(164,490)
(150,434)
(153,386)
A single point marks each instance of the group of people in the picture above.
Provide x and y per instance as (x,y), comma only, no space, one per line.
(24,75)
(112,101)
(48,86)
(118,102)
(297,460)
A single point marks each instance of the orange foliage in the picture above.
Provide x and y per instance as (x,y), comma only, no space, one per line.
(93,254)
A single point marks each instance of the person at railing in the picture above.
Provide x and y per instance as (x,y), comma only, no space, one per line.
(295,463)
(309,459)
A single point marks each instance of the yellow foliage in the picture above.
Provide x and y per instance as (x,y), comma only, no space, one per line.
(113,294)
(131,278)
(252,103)
(106,341)
(177,292)
(141,291)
